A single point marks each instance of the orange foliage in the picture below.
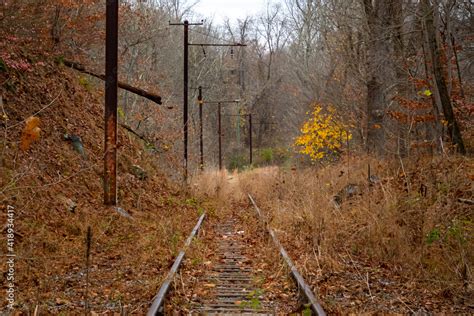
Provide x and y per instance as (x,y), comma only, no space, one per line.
(405,118)
(31,132)
(411,104)
(419,83)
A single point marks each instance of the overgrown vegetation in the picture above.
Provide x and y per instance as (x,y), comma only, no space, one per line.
(391,232)
(405,231)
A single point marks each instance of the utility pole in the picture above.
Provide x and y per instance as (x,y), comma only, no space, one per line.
(185,97)
(219,124)
(218,103)
(186,25)
(219,131)
(111,83)
(201,143)
(201,124)
(250,139)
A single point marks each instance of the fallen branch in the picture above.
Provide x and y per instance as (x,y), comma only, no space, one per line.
(466,201)
(150,96)
(128,128)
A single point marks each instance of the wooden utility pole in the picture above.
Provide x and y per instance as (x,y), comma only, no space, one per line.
(219,131)
(186,25)
(185,97)
(219,124)
(201,141)
(250,139)
(111,82)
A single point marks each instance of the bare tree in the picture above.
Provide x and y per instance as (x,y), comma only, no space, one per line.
(440,83)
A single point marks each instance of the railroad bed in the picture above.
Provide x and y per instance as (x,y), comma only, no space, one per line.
(233,290)
(234,268)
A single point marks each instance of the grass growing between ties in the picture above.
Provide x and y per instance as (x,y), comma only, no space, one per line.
(402,242)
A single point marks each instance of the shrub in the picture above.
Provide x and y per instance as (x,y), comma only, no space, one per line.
(266,156)
(238,162)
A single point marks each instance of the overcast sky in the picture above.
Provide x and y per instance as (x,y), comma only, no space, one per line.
(233,9)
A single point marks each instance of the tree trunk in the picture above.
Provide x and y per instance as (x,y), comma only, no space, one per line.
(453,128)
(403,142)
(378,58)
(56,26)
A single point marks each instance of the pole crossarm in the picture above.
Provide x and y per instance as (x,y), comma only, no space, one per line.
(186,45)
(184,23)
(241,115)
(217,45)
(138,91)
(224,101)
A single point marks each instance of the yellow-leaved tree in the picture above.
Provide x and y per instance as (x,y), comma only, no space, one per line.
(322,134)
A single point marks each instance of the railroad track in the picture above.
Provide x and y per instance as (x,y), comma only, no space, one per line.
(232,276)
(232,290)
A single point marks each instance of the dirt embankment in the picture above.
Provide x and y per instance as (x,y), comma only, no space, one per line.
(55,188)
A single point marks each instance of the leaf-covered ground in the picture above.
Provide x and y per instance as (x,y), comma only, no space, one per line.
(57,193)
(274,289)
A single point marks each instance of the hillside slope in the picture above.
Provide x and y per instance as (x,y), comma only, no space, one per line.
(56,194)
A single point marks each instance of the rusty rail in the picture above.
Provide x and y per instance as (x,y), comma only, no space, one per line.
(304,288)
(157,305)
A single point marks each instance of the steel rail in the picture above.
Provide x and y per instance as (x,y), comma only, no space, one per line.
(305,289)
(157,305)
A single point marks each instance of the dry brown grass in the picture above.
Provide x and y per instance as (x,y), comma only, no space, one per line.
(129,258)
(410,224)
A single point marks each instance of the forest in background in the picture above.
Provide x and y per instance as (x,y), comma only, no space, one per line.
(397,74)
(362,114)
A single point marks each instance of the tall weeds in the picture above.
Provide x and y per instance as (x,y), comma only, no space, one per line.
(410,219)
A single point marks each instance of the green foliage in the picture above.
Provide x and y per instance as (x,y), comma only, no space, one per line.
(281,155)
(191,202)
(3,66)
(237,162)
(59,60)
(433,235)
(175,242)
(150,147)
(273,156)
(253,300)
(200,210)
(196,261)
(458,230)
(83,81)
(307,310)
(121,113)
(171,201)
(266,155)
(210,211)
(454,235)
